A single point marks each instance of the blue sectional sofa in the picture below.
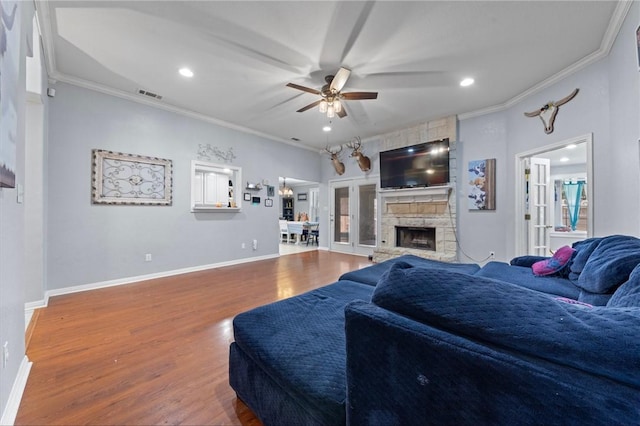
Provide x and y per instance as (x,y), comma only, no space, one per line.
(415,341)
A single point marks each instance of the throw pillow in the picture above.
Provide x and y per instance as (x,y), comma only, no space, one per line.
(554,264)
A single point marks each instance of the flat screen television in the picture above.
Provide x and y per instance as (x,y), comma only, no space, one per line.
(425,164)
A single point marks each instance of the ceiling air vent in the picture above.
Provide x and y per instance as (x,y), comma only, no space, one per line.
(149,94)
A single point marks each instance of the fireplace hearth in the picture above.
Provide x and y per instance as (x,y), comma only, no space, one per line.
(416,237)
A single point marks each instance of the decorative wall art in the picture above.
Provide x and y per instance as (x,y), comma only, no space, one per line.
(9,77)
(549,111)
(302,196)
(482,184)
(207,152)
(247,196)
(271,191)
(268,202)
(119,178)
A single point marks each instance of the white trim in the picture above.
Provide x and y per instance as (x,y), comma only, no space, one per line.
(617,19)
(131,280)
(15,396)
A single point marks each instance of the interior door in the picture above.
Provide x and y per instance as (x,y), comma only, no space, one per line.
(540,213)
(353,216)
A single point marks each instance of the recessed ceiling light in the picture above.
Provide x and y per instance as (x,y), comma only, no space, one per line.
(564,159)
(326,129)
(467,82)
(185,72)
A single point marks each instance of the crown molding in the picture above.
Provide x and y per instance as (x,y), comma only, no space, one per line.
(617,19)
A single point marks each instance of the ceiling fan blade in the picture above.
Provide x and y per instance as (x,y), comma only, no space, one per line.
(356,96)
(303,109)
(340,79)
(342,113)
(304,89)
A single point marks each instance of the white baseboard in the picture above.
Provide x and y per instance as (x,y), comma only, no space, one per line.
(130,280)
(13,404)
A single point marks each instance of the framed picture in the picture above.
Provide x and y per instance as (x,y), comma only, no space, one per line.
(255,200)
(118,178)
(9,88)
(247,196)
(268,202)
(482,184)
(302,196)
(271,191)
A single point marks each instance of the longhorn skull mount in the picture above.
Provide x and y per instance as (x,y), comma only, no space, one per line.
(549,111)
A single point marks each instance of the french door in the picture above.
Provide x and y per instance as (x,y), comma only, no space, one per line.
(540,206)
(353,216)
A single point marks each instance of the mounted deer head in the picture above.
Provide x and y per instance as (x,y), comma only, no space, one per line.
(335,159)
(549,111)
(364,162)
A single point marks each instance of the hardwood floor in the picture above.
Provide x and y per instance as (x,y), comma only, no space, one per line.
(156,352)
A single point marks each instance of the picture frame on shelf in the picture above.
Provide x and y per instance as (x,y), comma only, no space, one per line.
(302,196)
(247,196)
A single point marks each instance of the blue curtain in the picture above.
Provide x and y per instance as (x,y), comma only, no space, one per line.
(573,191)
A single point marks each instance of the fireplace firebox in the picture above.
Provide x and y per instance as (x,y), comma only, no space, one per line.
(416,238)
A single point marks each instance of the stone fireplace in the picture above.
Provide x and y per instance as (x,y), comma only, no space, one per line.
(431,207)
(418,221)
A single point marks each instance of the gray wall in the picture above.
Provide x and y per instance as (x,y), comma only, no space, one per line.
(12,230)
(608,105)
(95,243)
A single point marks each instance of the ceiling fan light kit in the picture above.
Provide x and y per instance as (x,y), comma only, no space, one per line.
(331,94)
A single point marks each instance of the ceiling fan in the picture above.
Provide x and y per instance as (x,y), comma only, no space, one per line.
(331,95)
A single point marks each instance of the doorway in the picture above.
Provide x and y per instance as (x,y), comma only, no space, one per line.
(554,196)
(353,216)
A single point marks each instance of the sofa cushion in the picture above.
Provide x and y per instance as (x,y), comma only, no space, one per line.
(371,274)
(300,343)
(628,294)
(554,264)
(610,264)
(594,339)
(527,260)
(583,250)
(524,277)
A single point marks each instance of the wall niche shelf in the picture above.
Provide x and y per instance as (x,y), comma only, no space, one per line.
(213,187)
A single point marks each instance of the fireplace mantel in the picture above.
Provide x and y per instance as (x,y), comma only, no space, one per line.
(429,194)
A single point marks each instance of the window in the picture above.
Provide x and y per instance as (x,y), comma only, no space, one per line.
(215,187)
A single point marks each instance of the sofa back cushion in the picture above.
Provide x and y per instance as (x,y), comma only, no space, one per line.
(610,264)
(628,294)
(594,339)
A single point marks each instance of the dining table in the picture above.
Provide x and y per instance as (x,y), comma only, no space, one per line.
(298,228)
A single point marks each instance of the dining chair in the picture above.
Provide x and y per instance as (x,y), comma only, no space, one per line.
(284,232)
(313,234)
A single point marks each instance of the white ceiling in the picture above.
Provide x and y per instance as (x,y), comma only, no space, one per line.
(243,54)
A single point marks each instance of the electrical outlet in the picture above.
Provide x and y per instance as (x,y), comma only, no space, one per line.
(492,255)
(148,257)
(255,244)
(243,245)
(5,354)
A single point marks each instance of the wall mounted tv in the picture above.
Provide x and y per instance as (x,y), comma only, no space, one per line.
(425,164)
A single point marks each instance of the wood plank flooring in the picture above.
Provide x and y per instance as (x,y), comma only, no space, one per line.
(156,352)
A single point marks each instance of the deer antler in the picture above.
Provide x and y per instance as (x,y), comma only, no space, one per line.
(331,152)
(355,143)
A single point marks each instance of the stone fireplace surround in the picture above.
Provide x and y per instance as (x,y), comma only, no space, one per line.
(421,207)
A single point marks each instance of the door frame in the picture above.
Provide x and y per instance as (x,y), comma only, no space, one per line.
(520,223)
